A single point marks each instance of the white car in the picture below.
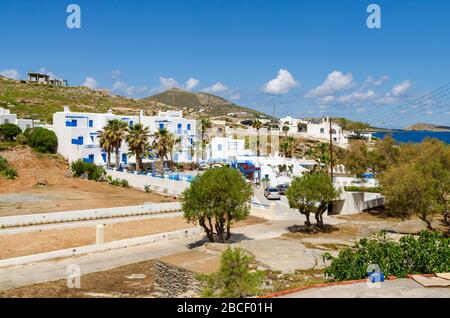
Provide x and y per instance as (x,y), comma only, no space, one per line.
(271,193)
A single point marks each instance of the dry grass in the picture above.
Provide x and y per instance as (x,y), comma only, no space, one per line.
(63,193)
(110,283)
(28,243)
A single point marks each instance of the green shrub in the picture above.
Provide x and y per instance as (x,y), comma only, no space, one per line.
(124,183)
(236,277)
(362,189)
(87,170)
(21,139)
(9,131)
(42,140)
(426,254)
(6,170)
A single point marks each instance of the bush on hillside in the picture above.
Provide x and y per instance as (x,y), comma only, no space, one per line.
(87,170)
(426,254)
(6,170)
(9,131)
(42,140)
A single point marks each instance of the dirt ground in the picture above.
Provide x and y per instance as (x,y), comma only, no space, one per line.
(358,226)
(125,281)
(63,192)
(21,244)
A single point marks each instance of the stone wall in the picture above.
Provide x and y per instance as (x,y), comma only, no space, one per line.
(174,281)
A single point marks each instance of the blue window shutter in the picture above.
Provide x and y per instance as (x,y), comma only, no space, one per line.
(161,126)
(188,126)
(91,123)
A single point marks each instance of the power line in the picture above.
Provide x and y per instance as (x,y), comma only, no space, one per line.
(441,91)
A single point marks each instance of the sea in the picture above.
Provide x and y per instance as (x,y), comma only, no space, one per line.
(404,136)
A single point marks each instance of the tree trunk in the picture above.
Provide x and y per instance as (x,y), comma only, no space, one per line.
(428,222)
(117,158)
(228,230)
(308,221)
(138,163)
(108,158)
(208,231)
(220,230)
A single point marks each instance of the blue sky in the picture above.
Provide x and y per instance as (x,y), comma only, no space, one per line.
(310,58)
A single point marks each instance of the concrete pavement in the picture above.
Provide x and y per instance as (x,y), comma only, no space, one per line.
(399,288)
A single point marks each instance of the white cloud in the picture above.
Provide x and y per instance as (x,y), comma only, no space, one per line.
(361,110)
(335,82)
(90,82)
(217,88)
(327,99)
(376,81)
(43,70)
(191,84)
(235,96)
(123,88)
(14,74)
(116,73)
(402,88)
(357,96)
(167,83)
(387,100)
(280,84)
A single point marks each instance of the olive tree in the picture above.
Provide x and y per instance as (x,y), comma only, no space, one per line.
(419,183)
(215,200)
(312,193)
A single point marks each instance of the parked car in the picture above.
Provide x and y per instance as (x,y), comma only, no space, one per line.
(271,193)
(282,188)
(203,166)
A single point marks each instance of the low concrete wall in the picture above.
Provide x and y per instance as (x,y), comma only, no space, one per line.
(357,202)
(103,247)
(174,281)
(268,213)
(81,215)
(160,185)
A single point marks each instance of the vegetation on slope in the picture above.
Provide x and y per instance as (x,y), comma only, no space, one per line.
(37,101)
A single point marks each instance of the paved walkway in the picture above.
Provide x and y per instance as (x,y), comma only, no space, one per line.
(400,288)
(13,277)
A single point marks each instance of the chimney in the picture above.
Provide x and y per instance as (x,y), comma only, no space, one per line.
(66,109)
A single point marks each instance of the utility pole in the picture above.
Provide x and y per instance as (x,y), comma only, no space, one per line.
(331,149)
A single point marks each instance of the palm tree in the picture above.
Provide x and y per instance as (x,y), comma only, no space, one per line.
(116,131)
(105,145)
(257,124)
(205,125)
(287,146)
(285,130)
(163,144)
(137,139)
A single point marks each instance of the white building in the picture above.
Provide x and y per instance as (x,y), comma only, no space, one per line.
(227,149)
(7,118)
(277,170)
(78,134)
(320,129)
(315,129)
(292,123)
